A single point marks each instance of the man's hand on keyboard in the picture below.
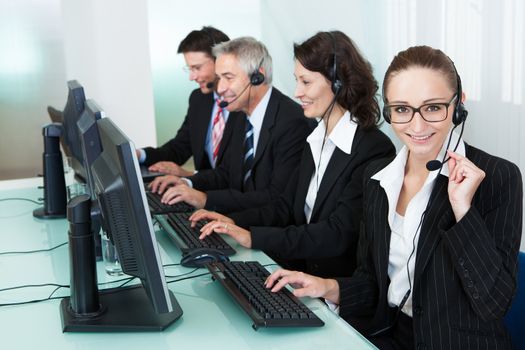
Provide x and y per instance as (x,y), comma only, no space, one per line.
(170,168)
(160,183)
(203,214)
(183,193)
(242,236)
(304,285)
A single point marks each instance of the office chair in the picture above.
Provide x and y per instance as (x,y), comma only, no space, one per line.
(515,318)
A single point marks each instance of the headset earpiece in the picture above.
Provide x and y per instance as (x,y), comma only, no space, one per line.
(386,114)
(337,84)
(206,30)
(256,78)
(460,112)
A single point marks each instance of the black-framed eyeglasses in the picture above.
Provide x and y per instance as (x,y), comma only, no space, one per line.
(430,112)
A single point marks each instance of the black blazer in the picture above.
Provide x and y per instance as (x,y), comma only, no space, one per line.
(465,272)
(191,137)
(327,245)
(279,148)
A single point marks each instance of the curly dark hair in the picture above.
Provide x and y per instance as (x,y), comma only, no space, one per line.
(359,87)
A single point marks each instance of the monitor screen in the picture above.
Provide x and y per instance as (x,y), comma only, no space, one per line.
(70,116)
(125,215)
(90,140)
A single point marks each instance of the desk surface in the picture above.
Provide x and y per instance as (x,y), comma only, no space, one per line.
(211,318)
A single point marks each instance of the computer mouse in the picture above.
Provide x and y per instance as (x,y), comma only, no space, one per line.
(201,256)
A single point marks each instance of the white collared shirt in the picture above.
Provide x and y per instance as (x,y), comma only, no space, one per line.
(257,117)
(342,137)
(402,239)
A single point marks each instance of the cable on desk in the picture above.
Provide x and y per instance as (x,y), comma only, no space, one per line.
(35,251)
(35,286)
(189,277)
(21,199)
(183,274)
(171,265)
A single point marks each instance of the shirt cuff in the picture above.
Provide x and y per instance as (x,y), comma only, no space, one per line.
(188,181)
(333,307)
(142,154)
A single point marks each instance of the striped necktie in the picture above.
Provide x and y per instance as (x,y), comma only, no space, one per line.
(217,131)
(248,152)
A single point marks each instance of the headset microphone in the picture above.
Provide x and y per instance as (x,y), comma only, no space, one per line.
(434,165)
(210,85)
(224,104)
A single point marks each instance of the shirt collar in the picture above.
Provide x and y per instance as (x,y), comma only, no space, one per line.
(342,136)
(257,117)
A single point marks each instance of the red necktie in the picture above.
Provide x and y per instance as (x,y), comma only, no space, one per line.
(217,131)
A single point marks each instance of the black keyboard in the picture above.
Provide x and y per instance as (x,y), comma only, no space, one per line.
(187,238)
(245,283)
(156,207)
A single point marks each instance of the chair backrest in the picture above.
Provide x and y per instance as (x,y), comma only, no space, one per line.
(515,318)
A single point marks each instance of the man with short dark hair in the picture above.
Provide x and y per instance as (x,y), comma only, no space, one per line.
(206,129)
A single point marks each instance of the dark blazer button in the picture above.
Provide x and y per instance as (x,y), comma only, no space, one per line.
(418,310)
(470,284)
(461,261)
(475,295)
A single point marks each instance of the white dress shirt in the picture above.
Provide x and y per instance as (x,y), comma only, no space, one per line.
(341,137)
(257,118)
(405,233)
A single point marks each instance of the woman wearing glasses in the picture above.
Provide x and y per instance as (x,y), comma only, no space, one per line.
(314,225)
(437,256)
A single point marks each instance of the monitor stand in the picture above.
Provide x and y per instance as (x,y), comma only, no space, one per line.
(55,198)
(125,309)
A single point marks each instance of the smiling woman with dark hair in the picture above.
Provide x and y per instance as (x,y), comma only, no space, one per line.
(314,225)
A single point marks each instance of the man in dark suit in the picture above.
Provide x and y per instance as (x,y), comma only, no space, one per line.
(194,137)
(266,146)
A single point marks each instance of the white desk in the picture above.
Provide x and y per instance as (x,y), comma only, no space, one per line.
(211,318)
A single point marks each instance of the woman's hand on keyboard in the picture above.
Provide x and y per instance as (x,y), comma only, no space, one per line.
(242,236)
(203,214)
(304,285)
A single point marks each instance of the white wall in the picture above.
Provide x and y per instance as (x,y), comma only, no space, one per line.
(107,51)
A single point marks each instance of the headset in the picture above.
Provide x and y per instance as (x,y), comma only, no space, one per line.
(337,84)
(460,112)
(206,30)
(257,78)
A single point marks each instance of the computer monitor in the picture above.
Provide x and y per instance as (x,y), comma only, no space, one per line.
(89,140)
(126,219)
(75,105)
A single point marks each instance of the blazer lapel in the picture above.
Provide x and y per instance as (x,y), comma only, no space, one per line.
(337,164)
(228,132)
(268,122)
(306,169)
(382,233)
(439,216)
